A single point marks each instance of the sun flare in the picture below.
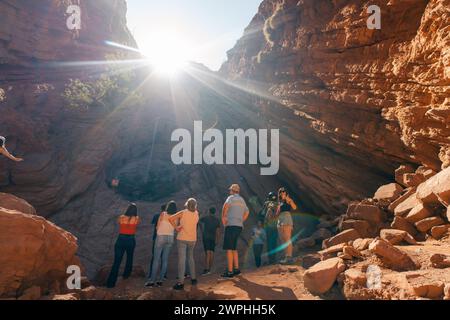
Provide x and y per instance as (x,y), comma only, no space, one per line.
(167,51)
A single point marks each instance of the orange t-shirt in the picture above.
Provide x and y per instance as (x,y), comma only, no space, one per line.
(128,225)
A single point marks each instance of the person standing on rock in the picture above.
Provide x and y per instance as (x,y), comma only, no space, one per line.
(163,244)
(259,238)
(234,213)
(125,243)
(269,214)
(285,223)
(5,151)
(185,223)
(210,226)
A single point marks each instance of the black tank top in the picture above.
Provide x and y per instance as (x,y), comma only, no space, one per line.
(285,207)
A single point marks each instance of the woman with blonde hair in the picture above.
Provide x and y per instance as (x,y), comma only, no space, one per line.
(185,223)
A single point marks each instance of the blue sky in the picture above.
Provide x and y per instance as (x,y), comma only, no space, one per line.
(205,28)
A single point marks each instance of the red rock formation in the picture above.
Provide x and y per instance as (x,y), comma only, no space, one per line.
(35,254)
(355,102)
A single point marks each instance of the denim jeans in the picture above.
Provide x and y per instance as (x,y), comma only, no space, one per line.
(186,249)
(124,244)
(163,245)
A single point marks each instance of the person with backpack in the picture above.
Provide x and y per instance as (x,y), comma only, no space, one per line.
(285,223)
(125,243)
(234,213)
(210,227)
(269,214)
(185,223)
(5,151)
(163,245)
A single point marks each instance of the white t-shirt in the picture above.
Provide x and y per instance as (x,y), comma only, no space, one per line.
(165,228)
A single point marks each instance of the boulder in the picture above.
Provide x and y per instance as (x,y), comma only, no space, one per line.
(392,256)
(429,289)
(418,213)
(412,179)
(328,252)
(362,244)
(406,194)
(343,237)
(66,297)
(355,277)
(310,259)
(320,278)
(11,202)
(426,172)
(435,189)
(361,226)
(370,213)
(400,171)
(351,251)
(426,224)
(396,236)
(388,192)
(402,224)
(440,261)
(34,252)
(439,231)
(447,291)
(407,205)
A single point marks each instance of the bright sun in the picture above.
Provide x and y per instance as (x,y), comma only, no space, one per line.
(167,51)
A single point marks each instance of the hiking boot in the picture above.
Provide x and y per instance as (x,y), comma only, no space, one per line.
(149,284)
(178,286)
(287,260)
(159,284)
(227,274)
(236,272)
(194,282)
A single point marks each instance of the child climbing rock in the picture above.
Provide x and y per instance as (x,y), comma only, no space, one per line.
(5,152)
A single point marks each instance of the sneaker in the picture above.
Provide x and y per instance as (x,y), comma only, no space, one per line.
(178,286)
(194,282)
(159,284)
(187,276)
(236,272)
(206,272)
(149,284)
(287,260)
(227,274)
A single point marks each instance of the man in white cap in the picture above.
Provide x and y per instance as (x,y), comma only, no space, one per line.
(5,152)
(234,214)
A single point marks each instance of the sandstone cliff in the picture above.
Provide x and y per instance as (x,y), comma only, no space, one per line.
(355,102)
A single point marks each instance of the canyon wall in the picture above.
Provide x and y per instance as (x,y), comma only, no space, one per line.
(354,102)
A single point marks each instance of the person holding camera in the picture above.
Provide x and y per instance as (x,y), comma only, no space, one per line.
(269,215)
(285,223)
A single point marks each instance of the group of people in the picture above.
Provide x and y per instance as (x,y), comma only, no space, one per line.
(181,227)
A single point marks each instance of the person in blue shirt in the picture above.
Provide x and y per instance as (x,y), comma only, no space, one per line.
(259,238)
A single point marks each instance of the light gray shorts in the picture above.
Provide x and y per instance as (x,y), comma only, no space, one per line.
(285,219)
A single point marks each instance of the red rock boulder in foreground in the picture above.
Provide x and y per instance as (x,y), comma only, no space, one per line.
(35,254)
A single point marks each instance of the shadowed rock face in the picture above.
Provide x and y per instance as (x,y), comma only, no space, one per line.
(355,102)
